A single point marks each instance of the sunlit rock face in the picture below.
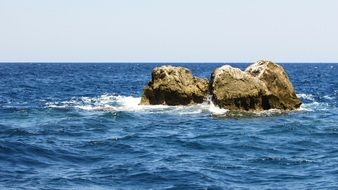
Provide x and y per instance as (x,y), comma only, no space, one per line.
(174,86)
(263,85)
(282,93)
(234,89)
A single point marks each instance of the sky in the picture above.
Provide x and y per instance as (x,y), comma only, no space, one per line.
(168,30)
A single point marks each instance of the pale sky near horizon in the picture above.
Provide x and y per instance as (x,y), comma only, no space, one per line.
(168,30)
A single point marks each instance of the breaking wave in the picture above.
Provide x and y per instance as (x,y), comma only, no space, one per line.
(306,97)
(118,103)
(131,104)
(310,103)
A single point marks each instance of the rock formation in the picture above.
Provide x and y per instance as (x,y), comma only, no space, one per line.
(276,80)
(264,85)
(234,89)
(174,86)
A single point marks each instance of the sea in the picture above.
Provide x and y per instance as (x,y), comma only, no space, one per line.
(79,126)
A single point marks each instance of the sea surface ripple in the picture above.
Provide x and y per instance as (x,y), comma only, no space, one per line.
(79,126)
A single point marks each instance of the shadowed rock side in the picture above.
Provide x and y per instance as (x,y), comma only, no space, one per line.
(276,80)
(174,86)
(234,89)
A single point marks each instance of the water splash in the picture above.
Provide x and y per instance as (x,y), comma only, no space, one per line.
(215,110)
(311,104)
(131,104)
(306,97)
(117,103)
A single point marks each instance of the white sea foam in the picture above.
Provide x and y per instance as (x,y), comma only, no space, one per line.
(306,97)
(115,103)
(214,109)
(328,97)
(312,104)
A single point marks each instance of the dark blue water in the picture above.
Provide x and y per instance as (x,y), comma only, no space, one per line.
(78,126)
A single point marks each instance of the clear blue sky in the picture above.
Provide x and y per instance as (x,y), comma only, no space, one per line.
(169,30)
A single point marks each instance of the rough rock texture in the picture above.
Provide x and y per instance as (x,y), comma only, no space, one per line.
(276,80)
(234,89)
(264,85)
(174,86)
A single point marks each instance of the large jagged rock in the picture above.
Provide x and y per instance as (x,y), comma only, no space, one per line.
(174,86)
(234,89)
(264,85)
(282,94)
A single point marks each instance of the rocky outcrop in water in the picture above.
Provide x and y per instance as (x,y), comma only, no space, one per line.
(234,89)
(264,85)
(282,94)
(174,86)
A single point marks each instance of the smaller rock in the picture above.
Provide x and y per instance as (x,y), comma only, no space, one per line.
(174,86)
(282,94)
(236,90)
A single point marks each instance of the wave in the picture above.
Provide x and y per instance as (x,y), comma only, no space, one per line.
(310,103)
(118,103)
(314,106)
(309,97)
(131,104)
(328,97)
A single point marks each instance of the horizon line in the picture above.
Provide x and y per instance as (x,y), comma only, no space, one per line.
(160,62)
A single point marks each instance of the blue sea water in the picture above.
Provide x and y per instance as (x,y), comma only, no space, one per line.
(79,126)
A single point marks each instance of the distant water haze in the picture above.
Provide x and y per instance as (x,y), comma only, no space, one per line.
(168,31)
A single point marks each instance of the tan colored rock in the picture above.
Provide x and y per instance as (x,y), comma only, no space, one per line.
(236,90)
(174,86)
(276,80)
